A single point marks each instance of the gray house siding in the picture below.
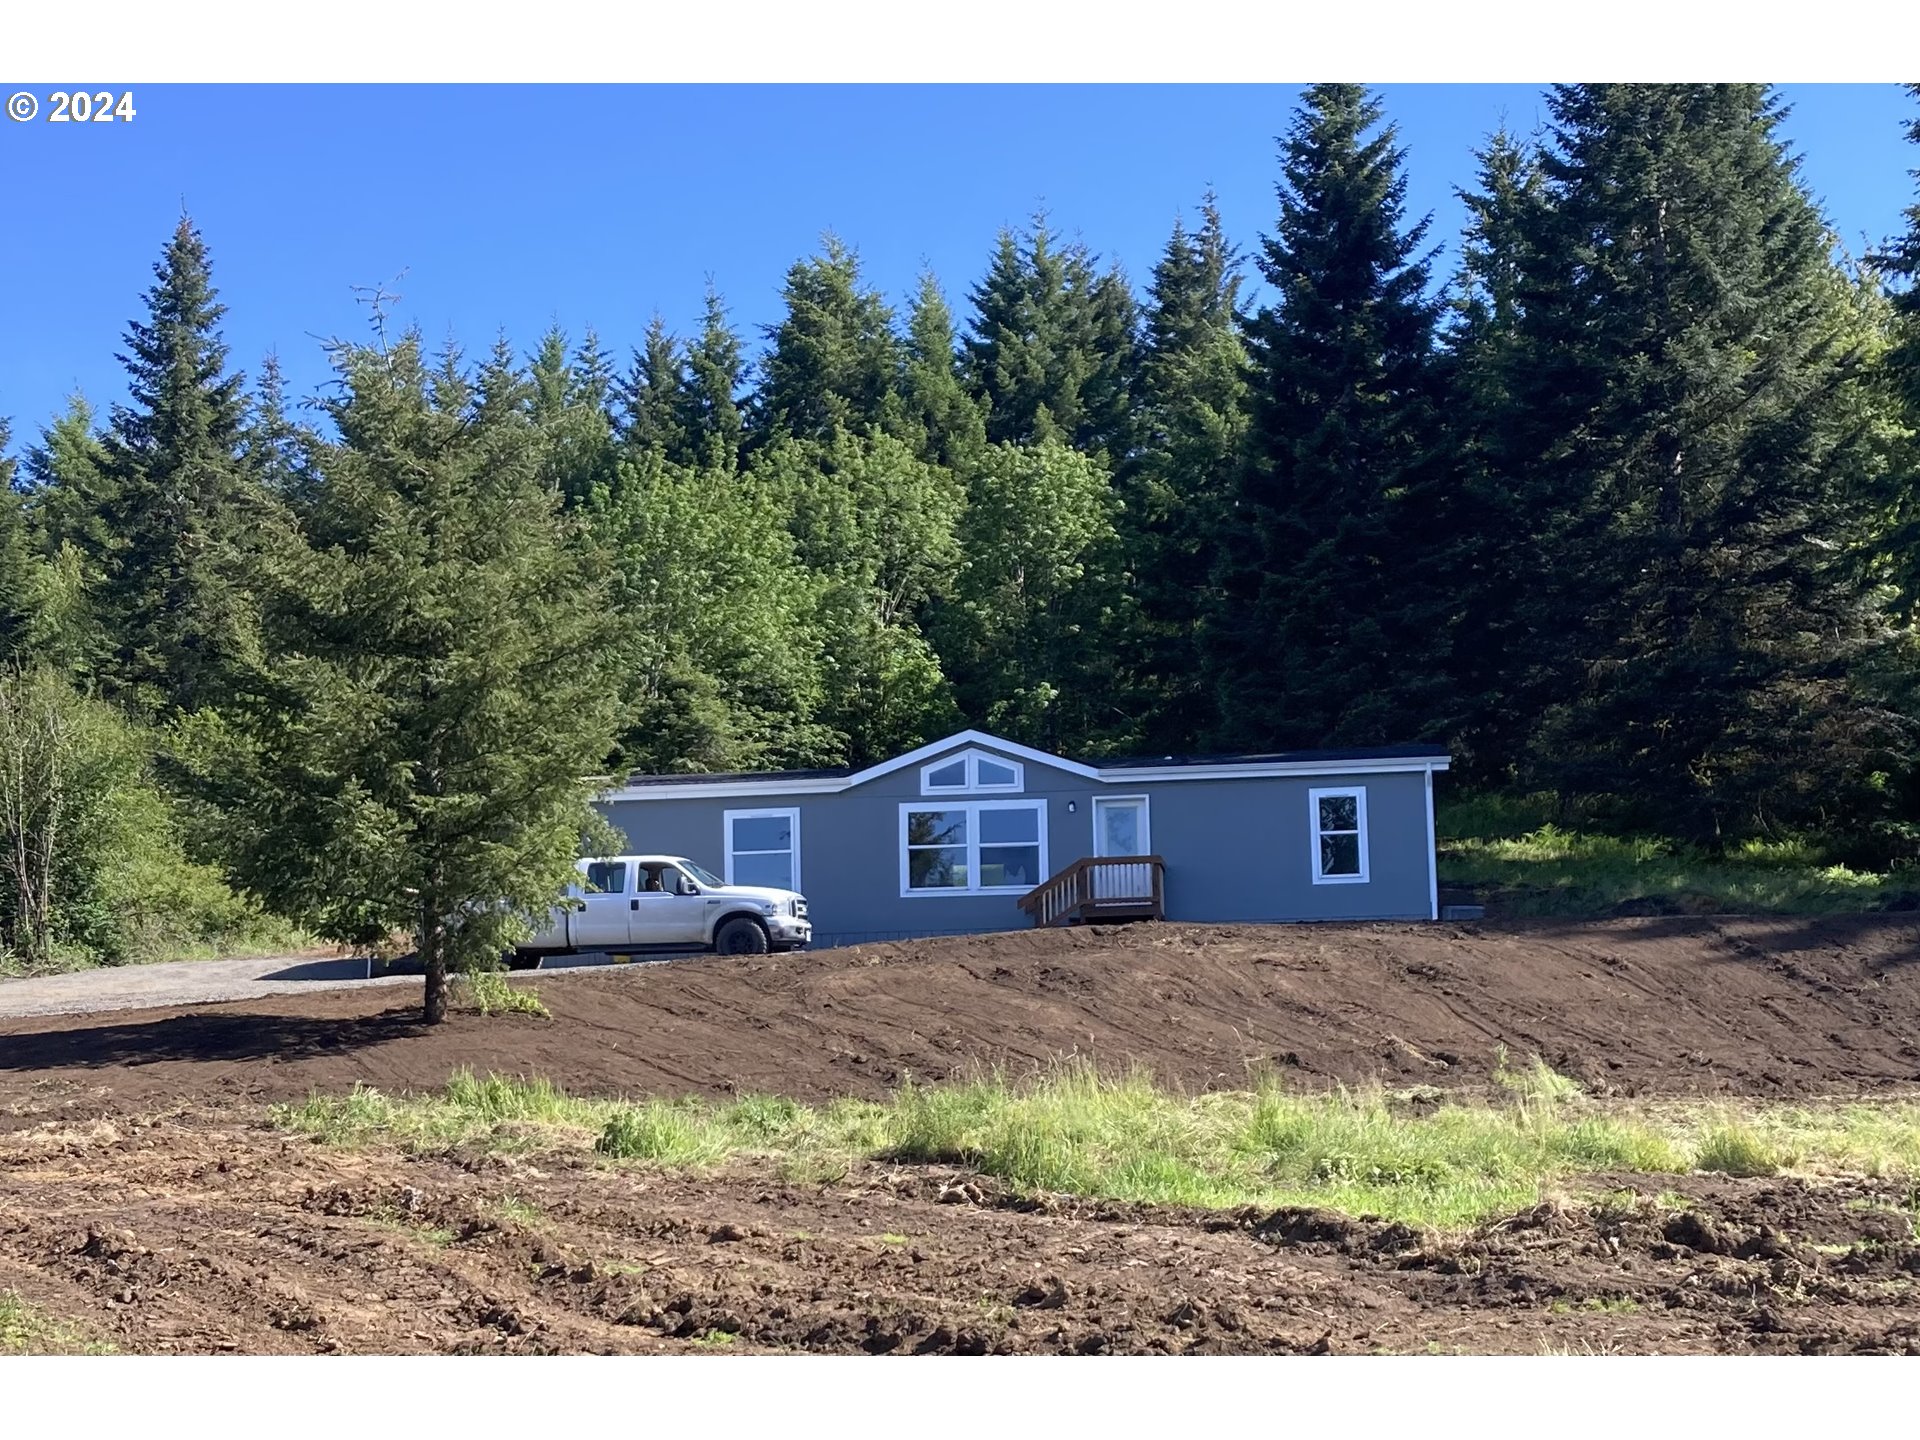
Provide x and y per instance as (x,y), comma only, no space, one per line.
(1236,848)
(1243,849)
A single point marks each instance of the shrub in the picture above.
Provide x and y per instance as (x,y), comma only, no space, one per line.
(488,992)
(92,864)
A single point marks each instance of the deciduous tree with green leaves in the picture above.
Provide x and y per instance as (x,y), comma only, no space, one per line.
(718,661)
(875,527)
(1028,635)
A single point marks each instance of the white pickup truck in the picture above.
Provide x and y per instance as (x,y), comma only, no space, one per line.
(631,903)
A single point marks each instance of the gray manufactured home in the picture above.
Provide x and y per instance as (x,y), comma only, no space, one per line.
(973,833)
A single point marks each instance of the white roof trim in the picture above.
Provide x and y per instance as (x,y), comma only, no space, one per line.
(1118,775)
(971,737)
(1274,767)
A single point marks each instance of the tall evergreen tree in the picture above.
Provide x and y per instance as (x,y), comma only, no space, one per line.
(414,752)
(184,506)
(652,398)
(1052,348)
(1506,215)
(1329,623)
(1901,263)
(1699,468)
(70,496)
(569,402)
(19,585)
(71,487)
(1193,422)
(711,423)
(938,417)
(276,449)
(833,360)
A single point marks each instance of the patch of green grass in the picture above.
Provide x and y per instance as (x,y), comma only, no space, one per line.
(715,1339)
(889,1238)
(1734,1149)
(24,1330)
(1077,1131)
(520,1212)
(1515,849)
(488,992)
(501,1112)
(392,1217)
(681,1135)
(1597,1304)
(1538,1082)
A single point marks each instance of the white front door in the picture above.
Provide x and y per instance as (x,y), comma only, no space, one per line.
(1120,829)
(1120,826)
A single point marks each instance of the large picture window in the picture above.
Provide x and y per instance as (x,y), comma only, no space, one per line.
(978,847)
(763,848)
(1339,819)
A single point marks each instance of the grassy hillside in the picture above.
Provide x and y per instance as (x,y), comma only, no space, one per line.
(1508,852)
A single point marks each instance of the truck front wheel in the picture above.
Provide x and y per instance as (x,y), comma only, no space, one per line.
(741,936)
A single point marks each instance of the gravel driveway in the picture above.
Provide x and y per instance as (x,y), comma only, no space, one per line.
(205,982)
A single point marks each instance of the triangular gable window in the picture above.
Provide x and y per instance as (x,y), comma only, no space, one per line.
(973,772)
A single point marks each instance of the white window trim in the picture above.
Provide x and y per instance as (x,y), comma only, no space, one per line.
(972,759)
(1359,794)
(973,809)
(727,817)
(1146,819)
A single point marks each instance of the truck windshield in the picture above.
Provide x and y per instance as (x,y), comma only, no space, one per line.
(703,876)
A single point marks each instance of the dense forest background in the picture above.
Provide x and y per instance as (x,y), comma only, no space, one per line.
(1623,511)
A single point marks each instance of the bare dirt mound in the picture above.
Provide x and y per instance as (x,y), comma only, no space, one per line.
(209,1232)
(1675,1006)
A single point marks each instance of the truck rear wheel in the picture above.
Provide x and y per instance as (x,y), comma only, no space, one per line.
(741,936)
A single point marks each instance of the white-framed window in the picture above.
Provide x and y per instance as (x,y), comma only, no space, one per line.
(763,848)
(973,772)
(972,847)
(1339,822)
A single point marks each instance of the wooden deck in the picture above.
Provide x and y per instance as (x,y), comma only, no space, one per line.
(1098,889)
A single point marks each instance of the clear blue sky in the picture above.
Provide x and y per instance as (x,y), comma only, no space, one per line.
(511,208)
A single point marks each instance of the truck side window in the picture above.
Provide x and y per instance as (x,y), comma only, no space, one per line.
(606,877)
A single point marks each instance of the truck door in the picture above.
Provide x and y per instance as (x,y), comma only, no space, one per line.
(604,922)
(668,908)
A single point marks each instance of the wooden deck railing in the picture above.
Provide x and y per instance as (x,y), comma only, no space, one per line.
(1119,887)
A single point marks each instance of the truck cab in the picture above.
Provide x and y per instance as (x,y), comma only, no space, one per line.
(635,903)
